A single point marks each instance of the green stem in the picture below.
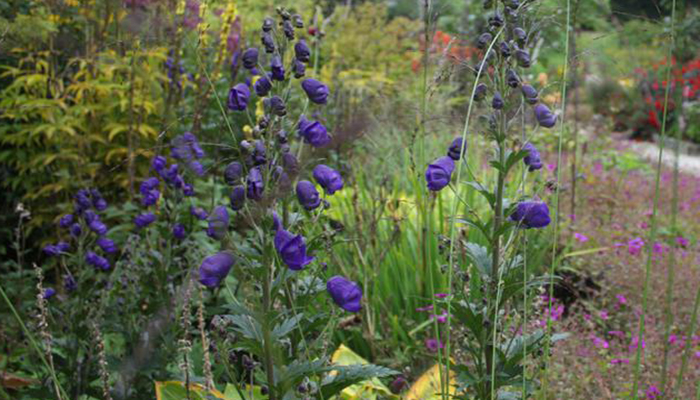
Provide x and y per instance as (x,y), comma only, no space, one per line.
(269,365)
(652,234)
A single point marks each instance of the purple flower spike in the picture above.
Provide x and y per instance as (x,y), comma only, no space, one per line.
(215,268)
(158,163)
(238,97)
(439,173)
(544,116)
(308,195)
(532,160)
(346,294)
(250,58)
(96,261)
(317,91)
(330,180)
(531,214)
(313,132)
(302,51)
(49,293)
(218,223)
(277,68)
(179,232)
(98,227)
(530,94)
(66,221)
(199,213)
(145,219)
(255,185)
(291,249)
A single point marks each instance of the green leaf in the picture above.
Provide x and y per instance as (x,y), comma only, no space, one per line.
(346,375)
(175,390)
(281,330)
(481,259)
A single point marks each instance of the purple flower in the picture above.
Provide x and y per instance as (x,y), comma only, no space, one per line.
(196,167)
(277,68)
(268,42)
(158,163)
(520,35)
(330,180)
(98,201)
(62,247)
(145,219)
(250,58)
(317,91)
(544,116)
(298,68)
(188,190)
(291,249)
(532,159)
(233,173)
(51,250)
(439,173)
(238,97)
(107,245)
(455,150)
(98,227)
(66,221)
(497,102)
(480,92)
(49,293)
(308,195)
(302,51)
(523,58)
(149,184)
(262,86)
(69,283)
(484,40)
(215,268)
(96,261)
(433,345)
(505,49)
(290,163)
(512,79)
(531,214)
(398,385)
(346,294)
(313,132)
(218,223)
(530,94)
(150,198)
(82,201)
(275,105)
(76,230)
(179,231)
(89,216)
(237,197)
(199,213)
(254,184)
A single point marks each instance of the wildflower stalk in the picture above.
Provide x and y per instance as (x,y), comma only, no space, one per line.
(267,305)
(209,379)
(555,222)
(102,362)
(652,233)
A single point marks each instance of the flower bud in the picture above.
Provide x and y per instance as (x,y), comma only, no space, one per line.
(262,86)
(268,42)
(237,197)
(345,293)
(250,58)
(480,92)
(330,180)
(298,68)
(238,97)
(544,116)
(288,29)
(512,78)
(298,21)
(268,24)
(308,195)
(484,40)
(497,102)
(275,105)
(439,173)
(302,51)
(530,94)
(523,58)
(531,214)
(315,90)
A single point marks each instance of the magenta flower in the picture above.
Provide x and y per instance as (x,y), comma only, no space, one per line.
(616,361)
(634,246)
(580,237)
(621,299)
(433,345)
(426,308)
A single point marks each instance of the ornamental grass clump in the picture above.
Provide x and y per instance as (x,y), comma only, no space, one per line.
(488,337)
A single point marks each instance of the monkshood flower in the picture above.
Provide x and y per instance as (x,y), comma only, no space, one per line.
(512,79)
(250,58)
(49,293)
(89,216)
(313,132)
(520,35)
(268,42)
(315,90)
(288,29)
(532,159)
(82,201)
(238,97)
(302,51)
(505,49)
(62,247)
(483,41)
(281,178)
(215,268)
(98,227)
(497,102)
(97,261)
(218,223)
(69,283)
(254,184)
(308,195)
(149,193)
(237,197)
(98,201)
(145,219)
(262,86)
(51,250)
(275,105)
(233,173)
(277,68)
(66,221)
(298,68)
(76,229)
(455,150)
(439,173)
(496,21)
(544,116)
(531,214)
(107,245)
(530,94)
(298,21)
(330,180)
(480,92)
(523,58)
(345,293)
(199,213)
(179,231)
(267,25)
(291,249)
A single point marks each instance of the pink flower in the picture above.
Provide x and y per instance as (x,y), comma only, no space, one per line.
(659,248)
(433,345)
(618,334)
(643,225)
(672,339)
(572,217)
(634,246)
(441,295)
(652,392)
(426,308)
(619,361)
(551,167)
(681,241)
(604,315)
(635,344)
(442,318)
(621,299)
(697,354)
(581,237)
(598,342)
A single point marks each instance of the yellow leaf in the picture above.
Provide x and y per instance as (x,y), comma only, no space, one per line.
(427,387)
(175,390)
(366,390)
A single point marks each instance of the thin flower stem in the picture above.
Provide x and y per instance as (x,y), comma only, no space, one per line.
(555,234)
(687,349)
(654,222)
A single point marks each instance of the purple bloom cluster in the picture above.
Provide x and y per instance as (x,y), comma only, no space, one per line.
(531,214)
(186,148)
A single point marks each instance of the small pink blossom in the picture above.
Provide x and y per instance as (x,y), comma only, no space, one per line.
(598,342)
(634,246)
(551,167)
(652,392)
(441,295)
(426,308)
(604,315)
(619,361)
(433,345)
(643,225)
(681,241)
(621,299)
(672,339)
(635,344)
(581,237)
